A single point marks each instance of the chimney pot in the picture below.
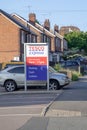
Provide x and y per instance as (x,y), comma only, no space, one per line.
(47,24)
(56,28)
(32,18)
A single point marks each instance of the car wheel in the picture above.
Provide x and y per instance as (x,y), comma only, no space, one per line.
(54,85)
(10,86)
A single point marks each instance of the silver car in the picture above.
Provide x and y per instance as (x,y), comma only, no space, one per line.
(14,77)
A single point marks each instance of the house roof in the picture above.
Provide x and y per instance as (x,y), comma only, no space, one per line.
(36,28)
(58,35)
(55,34)
(16,21)
(45,29)
(27,22)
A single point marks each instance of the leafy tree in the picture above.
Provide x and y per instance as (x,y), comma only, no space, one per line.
(77,40)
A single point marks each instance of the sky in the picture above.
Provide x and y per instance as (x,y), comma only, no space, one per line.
(59,12)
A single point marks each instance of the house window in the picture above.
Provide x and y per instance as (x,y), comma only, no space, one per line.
(33,38)
(44,38)
(54,58)
(28,38)
(47,40)
(23,37)
(58,44)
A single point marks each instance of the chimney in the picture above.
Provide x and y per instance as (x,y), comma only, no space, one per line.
(32,18)
(56,28)
(47,24)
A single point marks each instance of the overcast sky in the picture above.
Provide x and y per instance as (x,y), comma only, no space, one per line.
(62,13)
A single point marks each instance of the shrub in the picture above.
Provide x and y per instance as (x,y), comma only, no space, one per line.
(75,76)
(57,67)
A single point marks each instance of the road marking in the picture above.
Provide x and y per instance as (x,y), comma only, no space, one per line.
(63,113)
(4,115)
(18,107)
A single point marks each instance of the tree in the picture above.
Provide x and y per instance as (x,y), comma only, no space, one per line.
(77,40)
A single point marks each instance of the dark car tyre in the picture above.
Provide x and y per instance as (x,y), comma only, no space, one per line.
(54,85)
(10,86)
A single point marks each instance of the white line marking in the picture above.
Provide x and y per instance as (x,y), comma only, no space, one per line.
(18,107)
(19,115)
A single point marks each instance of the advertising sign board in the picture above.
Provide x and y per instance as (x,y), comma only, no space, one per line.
(36,61)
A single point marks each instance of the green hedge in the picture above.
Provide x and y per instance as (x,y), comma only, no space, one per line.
(75,76)
(57,67)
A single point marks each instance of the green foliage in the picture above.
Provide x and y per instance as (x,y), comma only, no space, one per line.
(65,57)
(37,21)
(73,56)
(77,40)
(57,67)
(75,76)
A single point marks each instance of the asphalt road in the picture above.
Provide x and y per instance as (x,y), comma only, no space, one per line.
(66,109)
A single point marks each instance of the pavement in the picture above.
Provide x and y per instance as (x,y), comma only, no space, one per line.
(74,103)
(55,123)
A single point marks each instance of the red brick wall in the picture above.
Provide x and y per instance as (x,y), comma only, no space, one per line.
(9,39)
(38,34)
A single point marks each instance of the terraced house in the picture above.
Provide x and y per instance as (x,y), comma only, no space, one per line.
(13,35)
(37,33)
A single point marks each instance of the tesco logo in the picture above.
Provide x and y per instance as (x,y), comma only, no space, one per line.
(36,48)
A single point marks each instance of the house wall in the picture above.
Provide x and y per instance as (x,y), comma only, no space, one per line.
(9,39)
(32,20)
(39,37)
(53,44)
(50,36)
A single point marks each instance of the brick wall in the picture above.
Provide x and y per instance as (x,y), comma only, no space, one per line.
(38,34)
(67,29)
(9,39)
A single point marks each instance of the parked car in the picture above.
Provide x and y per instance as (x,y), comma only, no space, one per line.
(13,77)
(12,63)
(69,63)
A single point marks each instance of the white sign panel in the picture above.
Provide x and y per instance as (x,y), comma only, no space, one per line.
(36,57)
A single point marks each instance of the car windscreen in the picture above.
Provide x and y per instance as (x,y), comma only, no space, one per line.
(52,70)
